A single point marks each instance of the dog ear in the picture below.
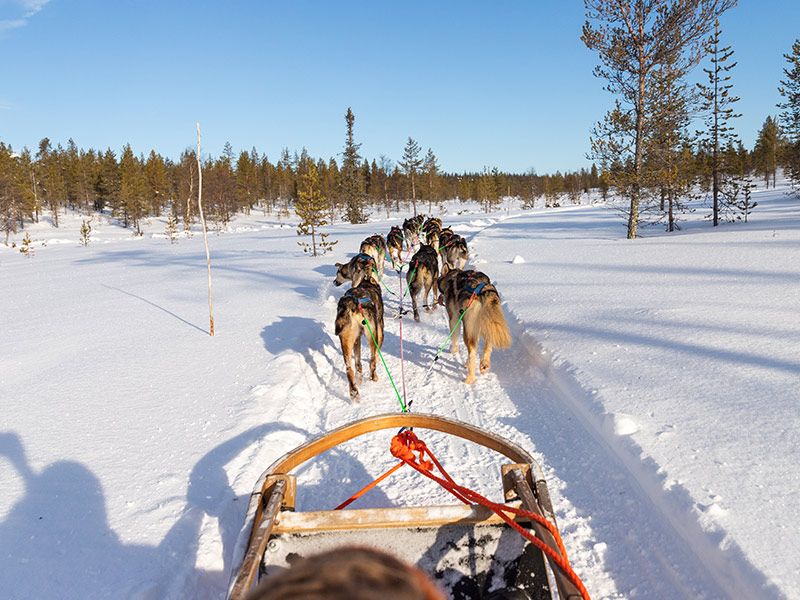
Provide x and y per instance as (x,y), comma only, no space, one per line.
(338,265)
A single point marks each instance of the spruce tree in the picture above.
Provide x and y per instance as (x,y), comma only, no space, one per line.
(790,117)
(132,190)
(158,185)
(411,164)
(765,153)
(171,228)
(431,170)
(310,207)
(717,103)
(26,247)
(351,181)
(86,232)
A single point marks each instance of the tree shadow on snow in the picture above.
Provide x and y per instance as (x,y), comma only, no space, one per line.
(154,305)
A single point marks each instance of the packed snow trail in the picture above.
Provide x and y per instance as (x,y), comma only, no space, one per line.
(624,535)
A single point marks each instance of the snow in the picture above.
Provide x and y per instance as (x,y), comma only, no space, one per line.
(655,380)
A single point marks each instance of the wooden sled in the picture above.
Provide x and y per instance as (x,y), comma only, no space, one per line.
(466,549)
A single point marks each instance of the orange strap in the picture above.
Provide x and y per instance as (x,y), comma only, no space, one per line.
(367,488)
(406,443)
(403,447)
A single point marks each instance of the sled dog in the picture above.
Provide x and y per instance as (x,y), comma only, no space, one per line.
(455,254)
(375,246)
(359,268)
(360,309)
(411,229)
(472,293)
(394,241)
(422,274)
(431,228)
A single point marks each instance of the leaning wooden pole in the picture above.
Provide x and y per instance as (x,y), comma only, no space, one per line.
(205,233)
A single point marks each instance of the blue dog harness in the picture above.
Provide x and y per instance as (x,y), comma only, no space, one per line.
(359,300)
(474,290)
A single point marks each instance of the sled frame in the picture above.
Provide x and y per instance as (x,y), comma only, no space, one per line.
(523,480)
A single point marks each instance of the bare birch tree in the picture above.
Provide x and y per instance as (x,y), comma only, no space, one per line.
(205,233)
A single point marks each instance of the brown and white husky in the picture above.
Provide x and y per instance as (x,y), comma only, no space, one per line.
(472,293)
(360,308)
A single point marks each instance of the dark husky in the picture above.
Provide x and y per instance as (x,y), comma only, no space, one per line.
(422,274)
(411,229)
(375,246)
(361,267)
(445,237)
(360,308)
(394,241)
(431,228)
(455,254)
(472,293)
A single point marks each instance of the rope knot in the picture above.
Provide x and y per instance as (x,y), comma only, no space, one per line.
(403,446)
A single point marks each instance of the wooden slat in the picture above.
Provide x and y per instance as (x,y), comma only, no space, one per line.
(385,518)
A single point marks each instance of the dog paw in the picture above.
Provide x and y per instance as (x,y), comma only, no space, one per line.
(354,396)
(485,366)
(470,379)
(374,377)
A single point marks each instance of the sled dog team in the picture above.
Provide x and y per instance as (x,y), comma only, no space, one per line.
(436,266)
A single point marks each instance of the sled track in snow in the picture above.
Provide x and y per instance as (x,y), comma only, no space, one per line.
(653,541)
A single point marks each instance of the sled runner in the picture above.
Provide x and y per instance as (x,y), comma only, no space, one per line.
(470,549)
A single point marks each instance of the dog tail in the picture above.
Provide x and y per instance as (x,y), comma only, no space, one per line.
(494,328)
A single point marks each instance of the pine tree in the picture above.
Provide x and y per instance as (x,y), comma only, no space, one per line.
(351,182)
(717,102)
(632,39)
(670,107)
(86,232)
(106,185)
(431,170)
(26,247)
(158,184)
(411,164)
(765,153)
(171,228)
(310,207)
(132,190)
(790,117)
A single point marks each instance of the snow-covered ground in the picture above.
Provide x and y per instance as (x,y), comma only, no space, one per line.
(657,381)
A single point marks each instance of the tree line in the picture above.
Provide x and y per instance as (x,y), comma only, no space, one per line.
(134,187)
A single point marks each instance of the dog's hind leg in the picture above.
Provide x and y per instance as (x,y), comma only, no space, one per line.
(453,319)
(357,355)
(347,351)
(472,351)
(414,291)
(373,362)
(486,358)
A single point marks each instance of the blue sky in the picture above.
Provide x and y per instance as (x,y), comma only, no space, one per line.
(505,84)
